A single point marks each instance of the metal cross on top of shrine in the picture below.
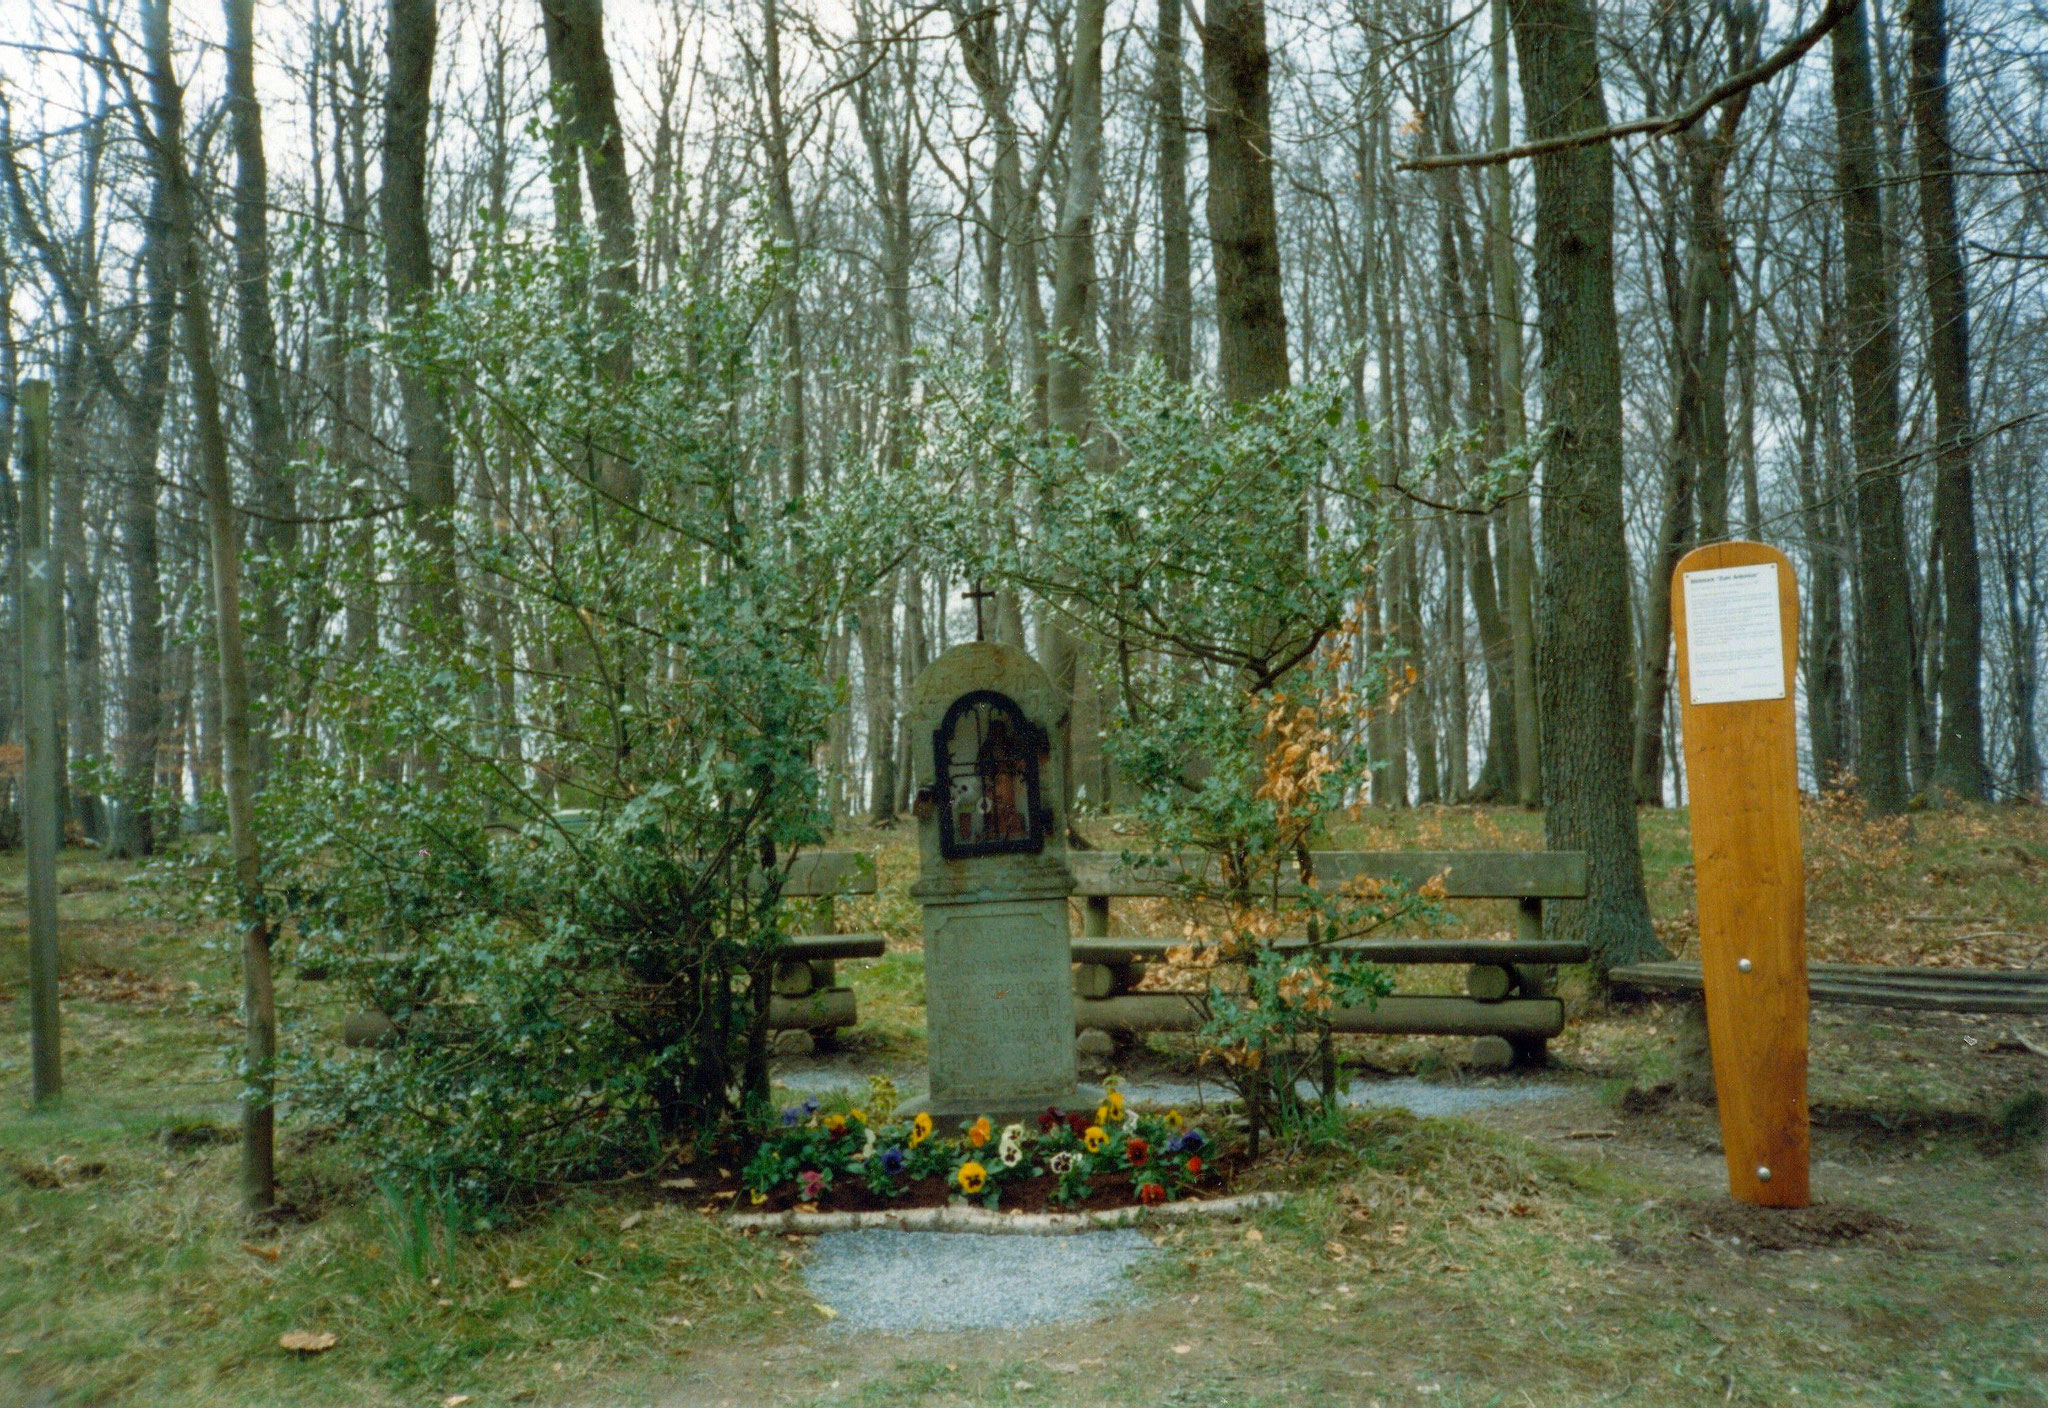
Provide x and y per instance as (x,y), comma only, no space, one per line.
(977,594)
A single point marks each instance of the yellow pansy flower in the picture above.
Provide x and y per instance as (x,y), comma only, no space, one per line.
(920,1130)
(1174,1120)
(973,1178)
(1115,1106)
(1094,1138)
(857,1115)
(835,1123)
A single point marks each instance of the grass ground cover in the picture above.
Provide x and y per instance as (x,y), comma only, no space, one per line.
(1554,1254)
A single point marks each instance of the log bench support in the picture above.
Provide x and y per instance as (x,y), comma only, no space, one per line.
(1509,1006)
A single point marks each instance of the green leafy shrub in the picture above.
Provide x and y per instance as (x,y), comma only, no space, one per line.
(557,868)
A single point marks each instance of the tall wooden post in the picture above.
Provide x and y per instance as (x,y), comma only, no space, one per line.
(39,665)
(1735,612)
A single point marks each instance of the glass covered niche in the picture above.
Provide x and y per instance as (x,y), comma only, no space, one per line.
(987,769)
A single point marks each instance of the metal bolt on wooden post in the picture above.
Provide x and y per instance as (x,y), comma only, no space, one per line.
(1735,612)
(39,666)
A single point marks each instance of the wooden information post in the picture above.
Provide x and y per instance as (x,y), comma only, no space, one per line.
(1735,612)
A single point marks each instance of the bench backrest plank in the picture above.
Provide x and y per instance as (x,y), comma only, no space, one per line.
(1468,875)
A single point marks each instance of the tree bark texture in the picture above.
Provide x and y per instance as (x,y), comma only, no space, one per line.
(1884,631)
(237,772)
(1959,753)
(411,32)
(1519,558)
(1176,311)
(1582,625)
(589,112)
(273,529)
(1244,225)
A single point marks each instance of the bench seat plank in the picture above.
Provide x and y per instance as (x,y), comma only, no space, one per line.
(1854,984)
(1139,948)
(1468,875)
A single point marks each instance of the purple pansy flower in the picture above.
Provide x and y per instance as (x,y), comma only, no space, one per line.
(892,1161)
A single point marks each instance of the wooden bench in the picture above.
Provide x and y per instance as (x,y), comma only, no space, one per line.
(806,996)
(1863,985)
(1507,1004)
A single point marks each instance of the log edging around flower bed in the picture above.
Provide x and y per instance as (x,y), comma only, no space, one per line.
(973,1219)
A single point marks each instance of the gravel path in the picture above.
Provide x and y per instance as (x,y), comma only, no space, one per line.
(883,1280)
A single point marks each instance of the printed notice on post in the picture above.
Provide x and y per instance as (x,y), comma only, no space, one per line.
(1735,648)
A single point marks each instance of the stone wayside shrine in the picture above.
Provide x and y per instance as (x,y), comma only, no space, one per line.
(985,723)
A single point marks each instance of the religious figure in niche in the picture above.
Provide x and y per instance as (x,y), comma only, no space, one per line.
(988,754)
(1000,764)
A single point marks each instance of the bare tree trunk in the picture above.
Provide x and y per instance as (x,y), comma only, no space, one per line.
(576,55)
(878,687)
(238,777)
(1176,311)
(1820,656)
(1696,485)
(1072,355)
(411,32)
(793,432)
(134,830)
(1959,756)
(1473,316)
(1884,631)
(1251,314)
(1519,600)
(1674,536)
(82,696)
(274,530)
(1583,627)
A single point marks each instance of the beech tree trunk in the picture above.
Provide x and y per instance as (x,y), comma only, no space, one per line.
(1176,311)
(1582,626)
(237,762)
(1884,631)
(1244,226)
(1519,559)
(273,529)
(133,833)
(1959,753)
(574,32)
(411,31)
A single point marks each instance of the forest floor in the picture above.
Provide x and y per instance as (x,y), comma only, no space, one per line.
(1558,1251)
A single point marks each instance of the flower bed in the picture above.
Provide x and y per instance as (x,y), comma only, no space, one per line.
(864,1159)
